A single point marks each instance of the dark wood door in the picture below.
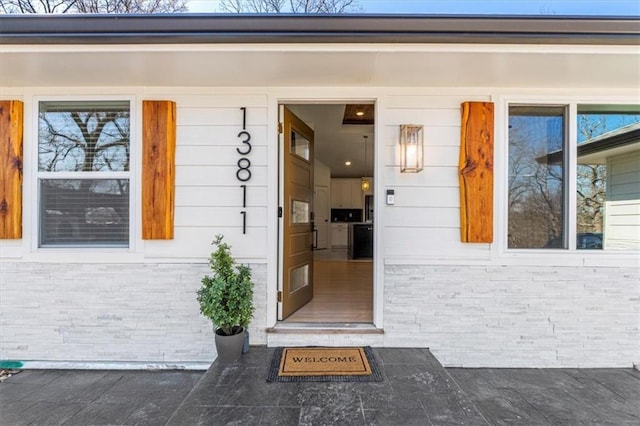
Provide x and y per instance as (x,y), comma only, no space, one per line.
(297,215)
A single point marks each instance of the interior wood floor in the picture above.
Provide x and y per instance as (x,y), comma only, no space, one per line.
(342,291)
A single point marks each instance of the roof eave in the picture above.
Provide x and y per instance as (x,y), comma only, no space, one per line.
(216,28)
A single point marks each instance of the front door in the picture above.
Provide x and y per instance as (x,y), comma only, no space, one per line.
(297,217)
(321,217)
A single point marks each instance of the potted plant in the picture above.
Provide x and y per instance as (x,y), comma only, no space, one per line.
(226,298)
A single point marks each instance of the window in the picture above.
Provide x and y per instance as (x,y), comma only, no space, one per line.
(605,155)
(83,173)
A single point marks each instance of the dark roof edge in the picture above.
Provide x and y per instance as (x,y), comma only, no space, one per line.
(217,28)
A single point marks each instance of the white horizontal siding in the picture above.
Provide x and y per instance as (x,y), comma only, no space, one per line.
(218,175)
(429,243)
(192,242)
(208,195)
(207,135)
(217,155)
(624,177)
(188,99)
(424,223)
(622,208)
(429,180)
(622,225)
(220,116)
(434,156)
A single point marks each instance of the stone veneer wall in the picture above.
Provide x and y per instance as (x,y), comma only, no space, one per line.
(515,316)
(471,316)
(110,312)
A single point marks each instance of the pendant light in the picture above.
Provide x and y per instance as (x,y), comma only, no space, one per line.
(365,185)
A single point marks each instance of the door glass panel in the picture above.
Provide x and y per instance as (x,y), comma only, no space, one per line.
(299,145)
(299,278)
(299,212)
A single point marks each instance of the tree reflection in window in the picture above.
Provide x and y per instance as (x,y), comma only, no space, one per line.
(536,176)
(83,136)
(83,171)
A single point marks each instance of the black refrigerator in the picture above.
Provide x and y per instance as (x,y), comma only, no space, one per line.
(361,240)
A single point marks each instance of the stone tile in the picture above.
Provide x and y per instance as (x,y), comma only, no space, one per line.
(406,356)
(280,416)
(34,377)
(151,413)
(162,402)
(10,391)
(320,394)
(201,415)
(549,396)
(257,356)
(416,378)
(618,381)
(331,414)
(225,374)
(18,413)
(499,407)
(76,387)
(205,396)
(100,414)
(45,413)
(451,410)
(502,411)
(396,416)
(251,390)
(375,395)
(416,390)
(558,407)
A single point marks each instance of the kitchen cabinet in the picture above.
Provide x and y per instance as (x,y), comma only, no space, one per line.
(339,235)
(346,194)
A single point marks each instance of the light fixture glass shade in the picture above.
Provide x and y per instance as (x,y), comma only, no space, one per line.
(365,185)
(411,148)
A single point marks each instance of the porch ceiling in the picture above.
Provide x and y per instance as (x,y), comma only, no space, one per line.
(522,66)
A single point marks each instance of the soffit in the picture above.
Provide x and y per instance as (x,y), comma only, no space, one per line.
(321,65)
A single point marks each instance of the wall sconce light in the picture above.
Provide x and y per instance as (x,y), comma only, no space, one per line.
(411,148)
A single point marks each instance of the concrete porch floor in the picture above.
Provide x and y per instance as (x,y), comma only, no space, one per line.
(417,390)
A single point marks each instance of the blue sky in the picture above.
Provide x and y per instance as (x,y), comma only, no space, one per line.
(480,7)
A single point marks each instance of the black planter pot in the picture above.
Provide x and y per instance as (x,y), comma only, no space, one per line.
(229,348)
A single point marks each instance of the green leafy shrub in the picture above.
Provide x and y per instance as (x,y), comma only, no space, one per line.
(226,297)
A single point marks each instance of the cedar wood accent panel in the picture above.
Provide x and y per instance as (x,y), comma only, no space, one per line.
(158,169)
(476,172)
(11,116)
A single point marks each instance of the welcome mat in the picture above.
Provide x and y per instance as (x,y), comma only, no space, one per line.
(323,364)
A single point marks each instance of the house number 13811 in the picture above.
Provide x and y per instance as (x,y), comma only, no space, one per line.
(243,174)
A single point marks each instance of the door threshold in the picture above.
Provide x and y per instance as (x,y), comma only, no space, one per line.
(324,328)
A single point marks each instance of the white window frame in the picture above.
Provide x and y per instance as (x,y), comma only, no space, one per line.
(131,175)
(570,255)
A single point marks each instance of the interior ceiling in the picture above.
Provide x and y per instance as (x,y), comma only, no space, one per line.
(336,143)
(358,114)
